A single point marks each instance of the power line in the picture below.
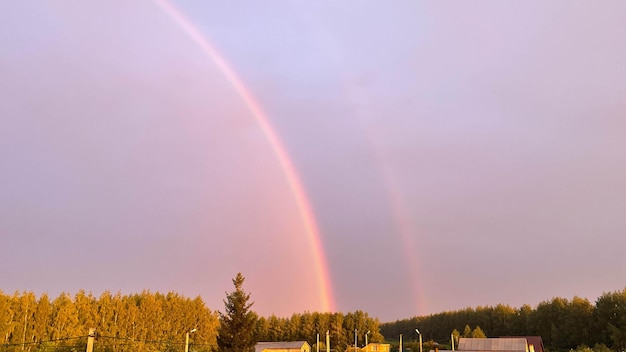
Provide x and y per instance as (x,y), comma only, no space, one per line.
(127,342)
(45,341)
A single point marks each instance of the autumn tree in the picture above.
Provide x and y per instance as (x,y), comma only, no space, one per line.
(237,323)
(478,333)
(467,331)
(455,336)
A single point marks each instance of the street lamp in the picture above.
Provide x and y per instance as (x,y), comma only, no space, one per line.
(366,337)
(420,335)
(187,338)
(327,340)
(355,338)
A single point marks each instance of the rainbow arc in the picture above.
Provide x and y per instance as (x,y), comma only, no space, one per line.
(287,166)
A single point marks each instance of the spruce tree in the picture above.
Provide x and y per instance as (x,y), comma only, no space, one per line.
(478,333)
(236,331)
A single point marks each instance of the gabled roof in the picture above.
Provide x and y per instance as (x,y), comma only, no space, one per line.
(260,346)
(517,344)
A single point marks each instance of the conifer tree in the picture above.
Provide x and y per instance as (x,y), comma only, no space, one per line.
(467,331)
(478,333)
(236,331)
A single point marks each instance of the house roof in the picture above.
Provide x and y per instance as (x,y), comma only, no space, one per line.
(493,344)
(260,346)
(536,341)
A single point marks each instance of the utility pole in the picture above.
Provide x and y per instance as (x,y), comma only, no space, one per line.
(90,338)
(452,341)
(187,338)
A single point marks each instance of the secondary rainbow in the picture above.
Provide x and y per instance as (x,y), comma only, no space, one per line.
(405,227)
(291,175)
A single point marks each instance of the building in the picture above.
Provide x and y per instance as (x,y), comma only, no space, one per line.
(502,344)
(535,343)
(291,346)
(376,347)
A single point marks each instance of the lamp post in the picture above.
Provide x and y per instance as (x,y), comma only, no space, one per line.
(420,336)
(355,338)
(327,340)
(366,337)
(187,338)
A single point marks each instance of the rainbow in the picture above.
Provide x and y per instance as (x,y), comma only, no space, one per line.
(291,175)
(405,228)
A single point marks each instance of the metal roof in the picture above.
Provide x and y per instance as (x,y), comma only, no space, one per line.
(536,341)
(260,346)
(493,344)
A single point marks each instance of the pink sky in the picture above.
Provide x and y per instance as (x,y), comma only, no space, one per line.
(444,148)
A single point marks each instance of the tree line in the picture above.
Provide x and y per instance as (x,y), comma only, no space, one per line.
(305,326)
(562,324)
(137,322)
(152,321)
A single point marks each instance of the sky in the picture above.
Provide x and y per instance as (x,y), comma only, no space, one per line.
(402,158)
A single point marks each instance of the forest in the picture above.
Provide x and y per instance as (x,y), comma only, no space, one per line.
(563,324)
(151,322)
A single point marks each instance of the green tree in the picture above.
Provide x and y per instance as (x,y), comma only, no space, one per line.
(236,331)
(576,323)
(338,338)
(307,327)
(276,329)
(322,324)
(521,325)
(610,315)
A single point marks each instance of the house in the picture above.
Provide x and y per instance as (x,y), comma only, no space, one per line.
(291,346)
(376,347)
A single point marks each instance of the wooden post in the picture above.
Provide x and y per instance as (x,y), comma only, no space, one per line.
(90,338)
